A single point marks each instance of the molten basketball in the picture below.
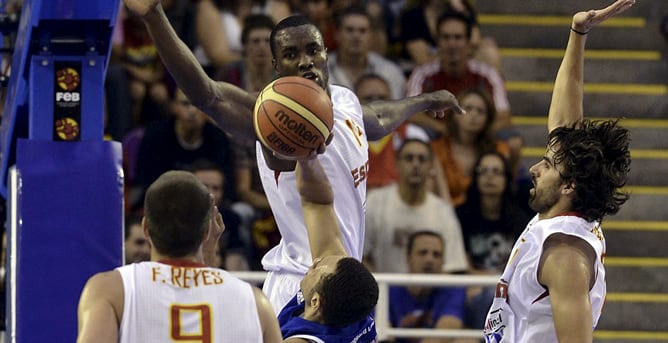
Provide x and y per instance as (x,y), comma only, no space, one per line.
(293,116)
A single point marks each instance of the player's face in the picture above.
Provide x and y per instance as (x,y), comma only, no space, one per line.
(300,51)
(426,255)
(137,247)
(548,183)
(414,164)
(490,175)
(453,44)
(318,269)
(354,35)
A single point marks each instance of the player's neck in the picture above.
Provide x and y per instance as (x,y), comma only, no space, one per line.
(191,259)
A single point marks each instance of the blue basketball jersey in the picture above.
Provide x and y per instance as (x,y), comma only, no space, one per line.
(292,325)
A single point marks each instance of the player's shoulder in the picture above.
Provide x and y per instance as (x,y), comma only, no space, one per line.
(108,278)
(342,96)
(105,286)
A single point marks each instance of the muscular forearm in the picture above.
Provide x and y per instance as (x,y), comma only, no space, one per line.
(566,104)
(178,59)
(381,118)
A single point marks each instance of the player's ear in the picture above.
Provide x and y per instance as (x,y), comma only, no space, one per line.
(568,188)
(144,228)
(315,302)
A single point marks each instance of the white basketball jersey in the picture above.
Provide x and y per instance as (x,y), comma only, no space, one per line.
(521,311)
(345,162)
(193,303)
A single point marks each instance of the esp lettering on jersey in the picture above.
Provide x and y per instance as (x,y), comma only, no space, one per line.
(360,173)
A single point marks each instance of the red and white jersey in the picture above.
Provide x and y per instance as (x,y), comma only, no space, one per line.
(521,311)
(186,302)
(346,162)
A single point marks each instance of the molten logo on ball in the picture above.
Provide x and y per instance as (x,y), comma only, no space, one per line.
(298,128)
(68,79)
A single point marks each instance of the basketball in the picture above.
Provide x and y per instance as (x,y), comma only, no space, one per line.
(293,116)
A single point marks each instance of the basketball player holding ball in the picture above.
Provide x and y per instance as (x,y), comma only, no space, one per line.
(298,50)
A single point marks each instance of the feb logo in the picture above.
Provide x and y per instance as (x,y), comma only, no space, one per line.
(68,79)
(67,129)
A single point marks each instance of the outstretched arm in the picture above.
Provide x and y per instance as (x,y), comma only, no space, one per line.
(229,105)
(317,196)
(382,117)
(566,106)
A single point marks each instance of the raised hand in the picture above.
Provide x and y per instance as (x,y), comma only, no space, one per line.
(586,20)
(141,7)
(441,102)
(210,244)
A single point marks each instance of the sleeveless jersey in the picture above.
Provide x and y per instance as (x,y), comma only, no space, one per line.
(186,302)
(292,325)
(346,162)
(521,311)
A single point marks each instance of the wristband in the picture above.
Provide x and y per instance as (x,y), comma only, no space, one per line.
(579,32)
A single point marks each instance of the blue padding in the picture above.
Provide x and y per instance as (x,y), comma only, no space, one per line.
(70,226)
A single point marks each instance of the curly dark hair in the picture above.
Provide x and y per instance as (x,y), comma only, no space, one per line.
(348,295)
(596,159)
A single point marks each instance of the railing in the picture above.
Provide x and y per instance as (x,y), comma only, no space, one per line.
(382,317)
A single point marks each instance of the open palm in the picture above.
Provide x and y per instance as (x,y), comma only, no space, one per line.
(586,20)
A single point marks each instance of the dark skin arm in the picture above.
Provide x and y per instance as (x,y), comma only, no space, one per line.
(382,117)
(229,105)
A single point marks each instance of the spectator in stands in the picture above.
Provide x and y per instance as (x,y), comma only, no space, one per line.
(465,138)
(382,153)
(419,29)
(234,242)
(122,115)
(321,14)
(137,247)
(145,71)
(395,211)
(219,25)
(491,220)
(426,306)
(353,56)
(455,71)
(181,139)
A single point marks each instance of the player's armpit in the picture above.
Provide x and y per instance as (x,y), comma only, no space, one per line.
(100,308)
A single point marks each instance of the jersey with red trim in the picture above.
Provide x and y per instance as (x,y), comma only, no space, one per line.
(521,311)
(346,162)
(186,303)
